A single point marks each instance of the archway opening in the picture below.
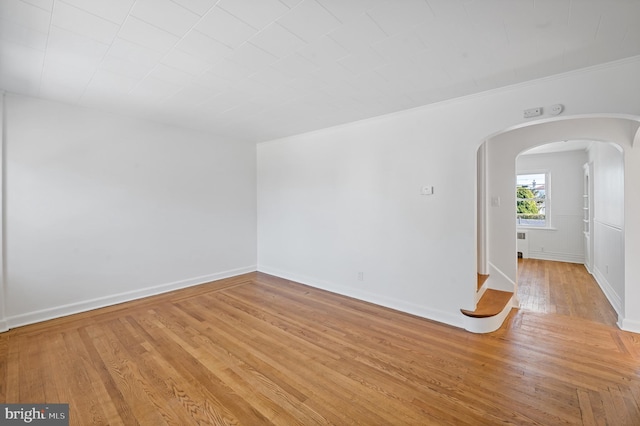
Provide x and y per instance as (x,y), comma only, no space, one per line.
(497,243)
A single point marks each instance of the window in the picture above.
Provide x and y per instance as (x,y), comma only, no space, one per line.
(532,203)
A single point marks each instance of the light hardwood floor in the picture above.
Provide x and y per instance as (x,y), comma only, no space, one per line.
(258,350)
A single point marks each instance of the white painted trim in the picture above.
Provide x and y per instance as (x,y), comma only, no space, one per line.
(482,238)
(480,293)
(488,324)
(629,325)
(588,269)
(101,302)
(387,302)
(608,291)
(535,228)
(557,257)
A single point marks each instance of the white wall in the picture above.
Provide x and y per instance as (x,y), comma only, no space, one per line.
(347,200)
(631,318)
(101,209)
(608,221)
(564,240)
(3,322)
(339,201)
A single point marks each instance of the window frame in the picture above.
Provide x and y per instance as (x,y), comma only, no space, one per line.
(547,197)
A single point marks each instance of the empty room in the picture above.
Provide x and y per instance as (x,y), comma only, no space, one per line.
(378,212)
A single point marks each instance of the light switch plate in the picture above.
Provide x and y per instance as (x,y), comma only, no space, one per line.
(426,190)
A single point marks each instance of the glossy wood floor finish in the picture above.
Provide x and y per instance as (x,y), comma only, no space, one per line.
(258,350)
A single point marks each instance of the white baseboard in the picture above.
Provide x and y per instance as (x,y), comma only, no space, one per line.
(608,291)
(101,302)
(558,257)
(629,325)
(454,319)
(498,280)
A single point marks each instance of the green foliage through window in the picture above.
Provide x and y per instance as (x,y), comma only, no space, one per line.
(531,199)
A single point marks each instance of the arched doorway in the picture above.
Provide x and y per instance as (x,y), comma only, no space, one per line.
(497,244)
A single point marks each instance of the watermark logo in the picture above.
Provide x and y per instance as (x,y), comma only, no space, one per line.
(34,414)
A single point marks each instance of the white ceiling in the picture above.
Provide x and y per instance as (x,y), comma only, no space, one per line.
(261,69)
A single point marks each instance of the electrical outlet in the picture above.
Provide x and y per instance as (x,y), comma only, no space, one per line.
(532,112)
(360,276)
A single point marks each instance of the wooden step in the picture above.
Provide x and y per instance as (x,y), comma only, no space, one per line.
(491,303)
(481,279)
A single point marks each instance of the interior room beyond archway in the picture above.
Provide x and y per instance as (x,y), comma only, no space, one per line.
(591,233)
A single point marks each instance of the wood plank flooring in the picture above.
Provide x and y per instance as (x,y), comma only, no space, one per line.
(563,288)
(258,350)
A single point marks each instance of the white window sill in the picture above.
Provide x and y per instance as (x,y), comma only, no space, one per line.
(540,228)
